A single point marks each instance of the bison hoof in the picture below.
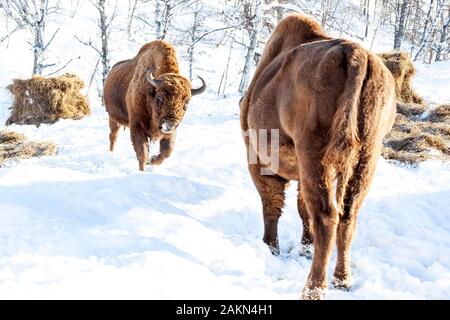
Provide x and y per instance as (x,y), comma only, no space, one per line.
(314,293)
(274,250)
(342,284)
(273,246)
(306,250)
(156,160)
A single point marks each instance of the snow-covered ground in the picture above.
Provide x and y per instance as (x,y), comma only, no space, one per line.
(87,224)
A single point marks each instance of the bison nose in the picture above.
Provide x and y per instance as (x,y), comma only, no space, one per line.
(167,127)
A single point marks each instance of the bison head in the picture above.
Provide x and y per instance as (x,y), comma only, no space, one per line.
(170,95)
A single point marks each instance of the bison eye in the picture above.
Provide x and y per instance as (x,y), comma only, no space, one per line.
(159,101)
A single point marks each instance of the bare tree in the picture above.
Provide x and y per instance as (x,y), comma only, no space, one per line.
(74,6)
(401,10)
(444,39)
(252,11)
(104,24)
(325,11)
(158,19)
(197,33)
(165,10)
(377,25)
(8,32)
(428,32)
(194,31)
(366,14)
(33,16)
(132,4)
(224,78)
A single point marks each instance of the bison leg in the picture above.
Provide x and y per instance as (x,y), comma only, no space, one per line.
(114,127)
(307,236)
(140,144)
(342,272)
(166,146)
(356,191)
(317,197)
(271,188)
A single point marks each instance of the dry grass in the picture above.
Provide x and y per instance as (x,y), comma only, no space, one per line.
(440,114)
(15,146)
(45,100)
(410,110)
(420,132)
(403,71)
(416,137)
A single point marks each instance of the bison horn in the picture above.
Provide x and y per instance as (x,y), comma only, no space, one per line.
(154,82)
(199,90)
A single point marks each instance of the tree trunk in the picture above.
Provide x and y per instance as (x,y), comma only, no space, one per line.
(104,36)
(248,61)
(425,27)
(415,26)
(367,17)
(39,46)
(167,13)
(325,8)
(193,38)
(443,37)
(158,19)
(253,41)
(401,24)
(426,35)
(132,8)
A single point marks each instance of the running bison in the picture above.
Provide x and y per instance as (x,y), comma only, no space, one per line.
(331,102)
(148,94)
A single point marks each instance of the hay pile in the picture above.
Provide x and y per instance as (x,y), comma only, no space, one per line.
(440,114)
(45,100)
(420,131)
(403,70)
(419,134)
(15,146)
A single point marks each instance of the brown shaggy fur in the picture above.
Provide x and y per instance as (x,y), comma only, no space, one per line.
(332,102)
(132,101)
(45,100)
(15,146)
(403,70)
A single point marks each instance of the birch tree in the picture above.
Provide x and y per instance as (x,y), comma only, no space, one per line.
(33,15)
(158,19)
(444,38)
(401,10)
(104,22)
(429,31)
(194,32)
(132,5)
(253,15)
(325,7)
(165,10)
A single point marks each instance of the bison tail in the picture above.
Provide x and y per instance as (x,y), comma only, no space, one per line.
(341,153)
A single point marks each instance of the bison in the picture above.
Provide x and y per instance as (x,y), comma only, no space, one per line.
(148,95)
(330,102)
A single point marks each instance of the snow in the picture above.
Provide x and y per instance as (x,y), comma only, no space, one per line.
(87,224)
(433,81)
